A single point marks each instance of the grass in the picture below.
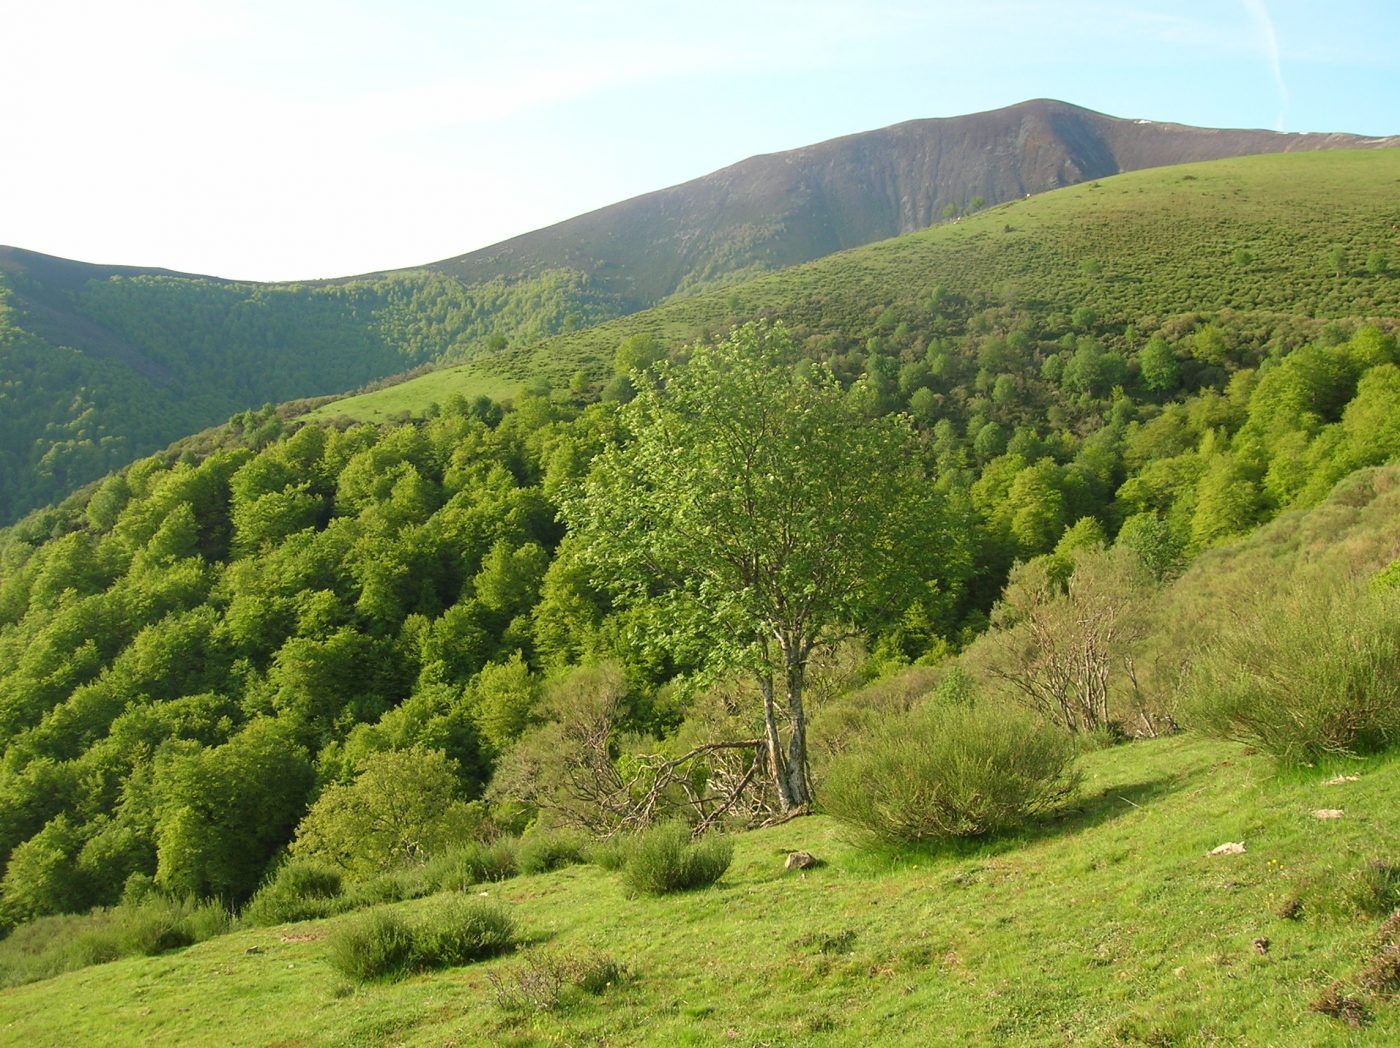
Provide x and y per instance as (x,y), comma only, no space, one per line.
(1109,926)
(384,405)
(1163,243)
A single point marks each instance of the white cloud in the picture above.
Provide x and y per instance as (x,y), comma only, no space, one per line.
(1268,39)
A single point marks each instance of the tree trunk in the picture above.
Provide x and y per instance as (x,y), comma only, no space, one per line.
(798,789)
(775,744)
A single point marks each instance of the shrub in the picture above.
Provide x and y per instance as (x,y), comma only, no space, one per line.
(298,890)
(544,982)
(463,865)
(610,854)
(381,944)
(942,771)
(1315,673)
(371,945)
(159,923)
(549,850)
(50,945)
(664,859)
(458,929)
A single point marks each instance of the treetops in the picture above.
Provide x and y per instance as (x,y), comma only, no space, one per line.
(234,633)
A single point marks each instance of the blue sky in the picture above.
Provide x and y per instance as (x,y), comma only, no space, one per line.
(305,138)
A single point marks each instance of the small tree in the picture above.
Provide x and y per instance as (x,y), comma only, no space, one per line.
(764,513)
(400,808)
(1057,646)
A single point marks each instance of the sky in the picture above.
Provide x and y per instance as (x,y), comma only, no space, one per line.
(295,139)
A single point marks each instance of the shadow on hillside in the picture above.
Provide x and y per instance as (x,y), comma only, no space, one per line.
(1104,806)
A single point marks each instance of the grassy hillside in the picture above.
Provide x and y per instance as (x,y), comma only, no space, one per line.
(1252,238)
(1109,926)
(786,208)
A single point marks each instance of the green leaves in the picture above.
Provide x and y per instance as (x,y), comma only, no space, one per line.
(757,504)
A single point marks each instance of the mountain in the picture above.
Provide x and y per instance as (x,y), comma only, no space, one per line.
(102,364)
(784,208)
(1252,242)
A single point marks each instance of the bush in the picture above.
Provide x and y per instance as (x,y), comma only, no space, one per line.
(458,929)
(550,850)
(159,923)
(664,859)
(459,867)
(298,890)
(371,945)
(48,946)
(1312,674)
(942,771)
(454,930)
(610,854)
(544,982)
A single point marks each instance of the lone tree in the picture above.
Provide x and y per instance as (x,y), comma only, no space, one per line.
(765,513)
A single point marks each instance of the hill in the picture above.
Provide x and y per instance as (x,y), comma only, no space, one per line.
(1110,926)
(1252,239)
(102,364)
(777,210)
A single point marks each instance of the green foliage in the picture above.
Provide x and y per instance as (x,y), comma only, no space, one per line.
(453,930)
(373,945)
(759,510)
(456,930)
(459,866)
(222,812)
(547,850)
(297,890)
(151,925)
(1313,675)
(402,806)
(664,859)
(949,770)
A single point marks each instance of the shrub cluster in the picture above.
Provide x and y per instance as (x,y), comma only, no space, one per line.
(1314,674)
(545,982)
(551,850)
(665,859)
(942,771)
(454,930)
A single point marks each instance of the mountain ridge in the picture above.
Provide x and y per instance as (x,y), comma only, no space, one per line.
(936,162)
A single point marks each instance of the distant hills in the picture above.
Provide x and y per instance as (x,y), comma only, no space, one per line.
(779,209)
(100,364)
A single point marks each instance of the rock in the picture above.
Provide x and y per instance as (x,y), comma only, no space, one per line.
(1337,780)
(801,860)
(1328,813)
(1261,946)
(1229,848)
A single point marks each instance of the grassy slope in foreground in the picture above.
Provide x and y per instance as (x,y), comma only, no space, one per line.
(1110,926)
(1158,243)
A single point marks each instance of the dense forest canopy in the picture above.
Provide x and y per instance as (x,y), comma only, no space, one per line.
(98,374)
(193,650)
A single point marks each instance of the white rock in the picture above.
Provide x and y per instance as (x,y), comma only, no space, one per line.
(1229,848)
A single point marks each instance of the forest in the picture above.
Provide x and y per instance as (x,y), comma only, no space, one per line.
(197,648)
